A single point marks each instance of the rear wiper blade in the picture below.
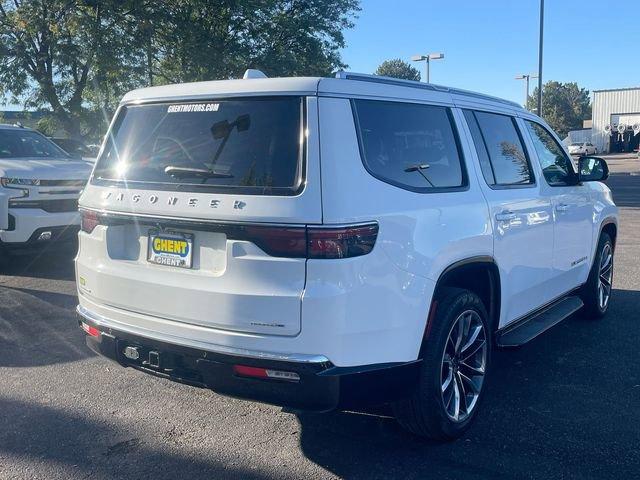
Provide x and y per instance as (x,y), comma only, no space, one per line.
(185,172)
(419,168)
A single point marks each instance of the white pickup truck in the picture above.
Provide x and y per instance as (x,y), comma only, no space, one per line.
(39,189)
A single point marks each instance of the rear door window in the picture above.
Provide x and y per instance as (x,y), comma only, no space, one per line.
(411,146)
(251,146)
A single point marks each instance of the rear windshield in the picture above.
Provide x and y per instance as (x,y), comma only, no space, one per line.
(17,144)
(245,145)
(576,144)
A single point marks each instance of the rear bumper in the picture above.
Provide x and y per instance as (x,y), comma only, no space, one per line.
(321,385)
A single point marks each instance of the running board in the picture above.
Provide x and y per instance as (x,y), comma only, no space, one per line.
(532,326)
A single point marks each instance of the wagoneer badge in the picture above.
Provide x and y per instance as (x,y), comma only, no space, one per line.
(170,201)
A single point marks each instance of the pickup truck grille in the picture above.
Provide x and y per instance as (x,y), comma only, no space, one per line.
(63,183)
(51,206)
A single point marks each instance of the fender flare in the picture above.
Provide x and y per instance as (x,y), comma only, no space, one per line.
(494,291)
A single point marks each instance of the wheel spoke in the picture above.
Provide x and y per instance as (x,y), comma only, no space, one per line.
(475,349)
(447,382)
(456,401)
(469,382)
(606,261)
(463,394)
(471,338)
(459,333)
(474,371)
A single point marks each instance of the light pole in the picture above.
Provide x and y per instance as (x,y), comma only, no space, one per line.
(526,78)
(539,112)
(426,59)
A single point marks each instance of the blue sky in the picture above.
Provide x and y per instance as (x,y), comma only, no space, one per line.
(488,42)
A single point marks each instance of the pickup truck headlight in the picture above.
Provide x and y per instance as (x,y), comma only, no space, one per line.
(18,182)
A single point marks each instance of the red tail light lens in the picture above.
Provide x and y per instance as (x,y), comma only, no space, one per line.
(314,242)
(89,221)
(344,242)
(278,241)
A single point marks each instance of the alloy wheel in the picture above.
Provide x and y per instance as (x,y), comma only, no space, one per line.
(605,276)
(463,365)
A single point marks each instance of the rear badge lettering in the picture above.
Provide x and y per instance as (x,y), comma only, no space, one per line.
(171,200)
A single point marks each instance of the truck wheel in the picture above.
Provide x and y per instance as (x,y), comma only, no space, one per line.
(456,358)
(596,293)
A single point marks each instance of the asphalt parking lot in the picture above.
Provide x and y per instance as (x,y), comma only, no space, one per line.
(563,406)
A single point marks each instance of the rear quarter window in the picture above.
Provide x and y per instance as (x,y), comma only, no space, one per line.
(411,146)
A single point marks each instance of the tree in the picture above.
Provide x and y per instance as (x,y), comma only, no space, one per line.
(398,68)
(78,57)
(52,50)
(564,105)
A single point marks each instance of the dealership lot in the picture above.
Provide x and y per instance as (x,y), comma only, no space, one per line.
(565,405)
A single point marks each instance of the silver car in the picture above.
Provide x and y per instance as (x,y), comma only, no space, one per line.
(583,148)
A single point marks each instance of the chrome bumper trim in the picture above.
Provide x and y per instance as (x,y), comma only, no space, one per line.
(103,321)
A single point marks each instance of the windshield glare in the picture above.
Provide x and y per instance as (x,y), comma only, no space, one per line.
(249,144)
(17,144)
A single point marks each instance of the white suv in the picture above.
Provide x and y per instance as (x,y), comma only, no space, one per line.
(39,189)
(322,243)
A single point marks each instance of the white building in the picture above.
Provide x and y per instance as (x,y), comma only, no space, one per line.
(616,119)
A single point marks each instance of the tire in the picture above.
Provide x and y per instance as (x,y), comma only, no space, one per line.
(430,411)
(600,280)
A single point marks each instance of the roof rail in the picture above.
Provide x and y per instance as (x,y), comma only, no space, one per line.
(364,77)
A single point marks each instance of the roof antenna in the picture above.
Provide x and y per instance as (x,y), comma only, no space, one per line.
(253,73)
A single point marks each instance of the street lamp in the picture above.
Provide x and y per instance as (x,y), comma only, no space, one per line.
(426,59)
(539,112)
(526,77)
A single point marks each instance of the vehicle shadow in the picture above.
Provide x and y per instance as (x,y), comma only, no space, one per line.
(51,262)
(39,328)
(560,406)
(88,448)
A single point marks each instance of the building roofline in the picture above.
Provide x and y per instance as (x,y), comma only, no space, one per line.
(616,89)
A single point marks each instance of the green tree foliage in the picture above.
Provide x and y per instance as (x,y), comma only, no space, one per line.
(564,105)
(398,68)
(78,57)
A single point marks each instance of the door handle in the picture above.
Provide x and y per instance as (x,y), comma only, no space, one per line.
(505,216)
(562,207)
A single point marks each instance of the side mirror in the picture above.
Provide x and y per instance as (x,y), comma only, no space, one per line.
(592,169)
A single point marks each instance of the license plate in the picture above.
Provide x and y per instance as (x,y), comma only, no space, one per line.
(173,249)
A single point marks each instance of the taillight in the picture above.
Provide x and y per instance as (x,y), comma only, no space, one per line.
(278,241)
(89,221)
(313,242)
(343,242)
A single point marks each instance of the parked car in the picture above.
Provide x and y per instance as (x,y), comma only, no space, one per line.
(324,243)
(77,149)
(582,149)
(39,189)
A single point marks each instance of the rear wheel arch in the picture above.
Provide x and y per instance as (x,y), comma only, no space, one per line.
(477,274)
(609,227)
